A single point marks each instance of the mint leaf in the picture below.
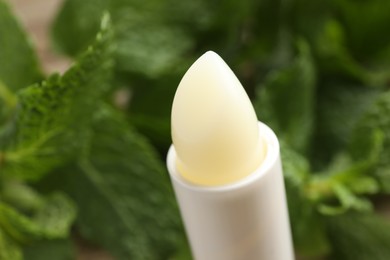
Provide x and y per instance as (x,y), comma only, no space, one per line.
(306,223)
(294,87)
(21,196)
(359,237)
(60,249)
(8,248)
(336,118)
(8,103)
(16,58)
(149,43)
(320,24)
(52,116)
(374,120)
(77,24)
(52,220)
(18,62)
(313,197)
(151,120)
(344,184)
(333,56)
(366,37)
(123,194)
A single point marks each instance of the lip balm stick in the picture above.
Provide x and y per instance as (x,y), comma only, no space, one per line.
(225,169)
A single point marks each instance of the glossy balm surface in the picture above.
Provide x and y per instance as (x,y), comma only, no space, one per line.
(214,126)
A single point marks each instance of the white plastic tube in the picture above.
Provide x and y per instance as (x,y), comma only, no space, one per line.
(246,220)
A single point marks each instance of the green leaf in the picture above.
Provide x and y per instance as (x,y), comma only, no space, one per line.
(348,200)
(18,62)
(52,116)
(149,43)
(339,107)
(375,120)
(21,196)
(77,24)
(151,120)
(319,23)
(359,237)
(8,248)
(294,87)
(369,36)
(184,251)
(123,194)
(8,103)
(60,249)
(311,196)
(344,184)
(307,224)
(333,56)
(52,220)
(151,49)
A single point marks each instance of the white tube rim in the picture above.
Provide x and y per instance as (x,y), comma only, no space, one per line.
(270,158)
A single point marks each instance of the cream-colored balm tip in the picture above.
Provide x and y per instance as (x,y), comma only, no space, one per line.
(214,126)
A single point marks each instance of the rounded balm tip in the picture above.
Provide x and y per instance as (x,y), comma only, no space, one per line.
(214,126)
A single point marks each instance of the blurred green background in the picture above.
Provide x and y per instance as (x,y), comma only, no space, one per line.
(318,73)
(348,42)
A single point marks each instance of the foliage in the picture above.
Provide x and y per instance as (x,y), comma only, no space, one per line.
(124,200)
(318,73)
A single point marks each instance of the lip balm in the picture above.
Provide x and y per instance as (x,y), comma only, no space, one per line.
(225,169)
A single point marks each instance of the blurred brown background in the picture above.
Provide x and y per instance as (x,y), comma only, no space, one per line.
(36,16)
